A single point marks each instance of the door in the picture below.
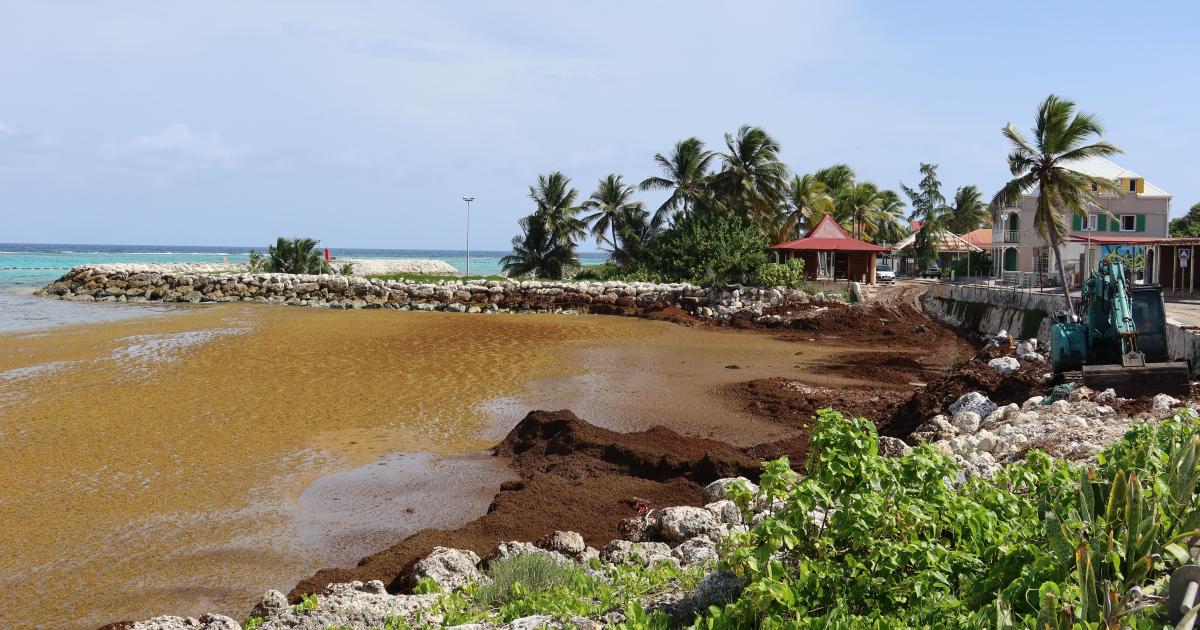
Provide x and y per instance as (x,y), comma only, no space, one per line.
(1010,259)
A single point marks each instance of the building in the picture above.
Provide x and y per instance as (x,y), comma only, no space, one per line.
(829,253)
(1122,220)
(950,247)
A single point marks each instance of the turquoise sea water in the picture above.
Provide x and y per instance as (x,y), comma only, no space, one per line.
(25,267)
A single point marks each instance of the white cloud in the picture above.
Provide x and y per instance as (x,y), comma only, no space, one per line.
(178,147)
(19,144)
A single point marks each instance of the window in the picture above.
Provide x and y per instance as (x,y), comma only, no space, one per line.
(1133,185)
(1128,223)
(1090,226)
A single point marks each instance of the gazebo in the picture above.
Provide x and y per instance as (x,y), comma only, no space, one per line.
(829,253)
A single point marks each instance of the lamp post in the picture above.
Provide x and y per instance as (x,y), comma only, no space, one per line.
(468,200)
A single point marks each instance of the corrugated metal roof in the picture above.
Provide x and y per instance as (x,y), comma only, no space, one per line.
(1107,169)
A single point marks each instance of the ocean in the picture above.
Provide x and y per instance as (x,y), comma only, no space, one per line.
(25,267)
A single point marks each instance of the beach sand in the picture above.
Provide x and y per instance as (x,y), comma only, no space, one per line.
(188,462)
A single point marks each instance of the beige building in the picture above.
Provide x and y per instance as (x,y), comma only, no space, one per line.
(1140,211)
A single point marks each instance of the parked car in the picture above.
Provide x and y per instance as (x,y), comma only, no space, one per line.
(932,271)
(884,273)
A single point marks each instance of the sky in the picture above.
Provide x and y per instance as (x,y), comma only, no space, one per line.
(363,124)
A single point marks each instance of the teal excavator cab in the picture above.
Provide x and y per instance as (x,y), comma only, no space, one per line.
(1118,338)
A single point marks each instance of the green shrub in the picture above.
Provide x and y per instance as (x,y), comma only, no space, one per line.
(706,248)
(790,274)
(871,542)
(512,577)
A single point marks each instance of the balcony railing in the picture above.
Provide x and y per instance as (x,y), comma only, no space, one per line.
(1010,236)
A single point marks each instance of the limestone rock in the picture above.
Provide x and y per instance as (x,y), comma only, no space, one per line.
(973,402)
(1004,365)
(725,511)
(205,622)
(450,568)
(677,524)
(1163,403)
(717,589)
(719,489)
(697,549)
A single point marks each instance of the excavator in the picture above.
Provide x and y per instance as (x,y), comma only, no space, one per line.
(1118,339)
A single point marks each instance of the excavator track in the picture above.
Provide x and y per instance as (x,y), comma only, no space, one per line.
(1171,378)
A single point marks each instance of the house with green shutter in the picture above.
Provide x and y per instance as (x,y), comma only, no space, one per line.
(1138,212)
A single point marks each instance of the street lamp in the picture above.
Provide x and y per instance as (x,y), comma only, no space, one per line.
(468,200)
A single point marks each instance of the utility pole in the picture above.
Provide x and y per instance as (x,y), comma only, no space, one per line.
(468,200)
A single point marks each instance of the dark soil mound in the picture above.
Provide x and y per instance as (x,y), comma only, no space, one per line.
(967,377)
(574,476)
(872,321)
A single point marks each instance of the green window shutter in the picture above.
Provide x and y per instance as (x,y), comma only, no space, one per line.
(1141,223)
(1115,226)
(1075,222)
(1102,223)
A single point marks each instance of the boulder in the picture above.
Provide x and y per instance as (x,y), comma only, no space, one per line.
(719,489)
(974,402)
(625,552)
(892,447)
(677,524)
(569,544)
(1004,365)
(1163,403)
(451,569)
(717,589)
(272,604)
(726,511)
(966,421)
(205,622)
(697,549)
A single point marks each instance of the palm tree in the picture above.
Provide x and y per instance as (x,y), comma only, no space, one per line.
(860,206)
(753,179)
(836,178)
(685,174)
(1060,136)
(299,255)
(612,202)
(807,201)
(555,202)
(968,212)
(536,251)
(887,218)
(637,229)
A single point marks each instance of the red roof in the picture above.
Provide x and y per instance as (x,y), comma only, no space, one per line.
(979,238)
(1118,240)
(826,236)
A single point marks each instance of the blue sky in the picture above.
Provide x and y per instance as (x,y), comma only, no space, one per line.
(363,124)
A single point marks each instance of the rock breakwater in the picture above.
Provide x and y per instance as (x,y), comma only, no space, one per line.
(122,284)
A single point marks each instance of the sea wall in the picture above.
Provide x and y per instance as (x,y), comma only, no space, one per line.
(1024,315)
(988,310)
(118,284)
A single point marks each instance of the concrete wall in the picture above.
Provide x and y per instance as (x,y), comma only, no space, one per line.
(988,310)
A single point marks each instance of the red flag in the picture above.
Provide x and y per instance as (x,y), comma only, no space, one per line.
(327,258)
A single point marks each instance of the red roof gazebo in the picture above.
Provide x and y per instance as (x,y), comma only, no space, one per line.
(829,252)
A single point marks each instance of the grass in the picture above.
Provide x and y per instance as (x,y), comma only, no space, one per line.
(534,572)
(429,279)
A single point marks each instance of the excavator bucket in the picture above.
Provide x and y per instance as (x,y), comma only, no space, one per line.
(1171,378)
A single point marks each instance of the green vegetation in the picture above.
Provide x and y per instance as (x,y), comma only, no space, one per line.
(307,602)
(546,246)
(1060,135)
(512,577)
(746,187)
(295,255)
(1187,225)
(790,274)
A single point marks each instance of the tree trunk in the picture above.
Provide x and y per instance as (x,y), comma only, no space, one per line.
(1062,270)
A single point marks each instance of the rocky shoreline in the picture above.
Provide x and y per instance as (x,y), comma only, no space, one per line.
(130,284)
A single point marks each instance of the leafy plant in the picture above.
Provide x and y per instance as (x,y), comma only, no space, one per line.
(297,255)
(307,603)
(255,262)
(707,247)
(252,623)
(346,268)
(789,274)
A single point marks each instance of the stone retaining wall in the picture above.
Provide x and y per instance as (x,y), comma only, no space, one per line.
(989,310)
(116,284)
